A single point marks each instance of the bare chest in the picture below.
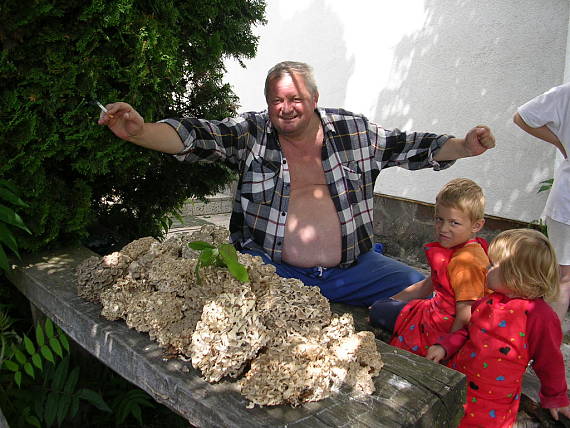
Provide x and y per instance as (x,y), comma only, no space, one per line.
(305,168)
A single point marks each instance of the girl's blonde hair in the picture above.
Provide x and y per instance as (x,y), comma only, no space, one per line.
(527,262)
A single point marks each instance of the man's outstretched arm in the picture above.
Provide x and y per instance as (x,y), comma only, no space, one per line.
(126,123)
(477,141)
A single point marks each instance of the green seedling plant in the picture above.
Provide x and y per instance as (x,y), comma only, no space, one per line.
(224,255)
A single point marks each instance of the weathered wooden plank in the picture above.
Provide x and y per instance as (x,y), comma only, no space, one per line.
(411,391)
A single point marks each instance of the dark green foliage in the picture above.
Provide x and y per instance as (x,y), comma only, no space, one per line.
(130,404)
(39,388)
(9,219)
(57,57)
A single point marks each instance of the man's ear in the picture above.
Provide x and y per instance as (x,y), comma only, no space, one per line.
(478,225)
(316,99)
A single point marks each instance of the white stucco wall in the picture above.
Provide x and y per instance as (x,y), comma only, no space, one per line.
(431,65)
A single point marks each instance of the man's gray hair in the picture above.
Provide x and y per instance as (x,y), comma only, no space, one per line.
(290,67)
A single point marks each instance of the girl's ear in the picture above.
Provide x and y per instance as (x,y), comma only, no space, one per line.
(478,225)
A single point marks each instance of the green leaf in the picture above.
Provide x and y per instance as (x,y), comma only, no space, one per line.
(71,382)
(7,238)
(37,360)
(63,406)
(228,253)
(200,245)
(60,375)
(238,271)
(40,402)
(20,357)
(544,188)
(8,215)
(136,412)
(33,421)
(46,352)
(64,341)
(50,411)
(40,338)
(11,365)
(3,260)
(208,256)
(55,345)
(74,407)
(94,398)
(8,193)
(48,326)
(8,185)
(29,369)
(18,378)
(29,345)
(546,185)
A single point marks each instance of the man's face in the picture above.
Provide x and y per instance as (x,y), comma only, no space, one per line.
(290,105)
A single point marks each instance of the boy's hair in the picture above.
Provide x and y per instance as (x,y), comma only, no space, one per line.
(290,67)
(527,262)
(465,195)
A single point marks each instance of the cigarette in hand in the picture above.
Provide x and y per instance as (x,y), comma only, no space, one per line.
(102,107)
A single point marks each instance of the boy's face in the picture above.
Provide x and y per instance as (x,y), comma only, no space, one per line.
(454,227)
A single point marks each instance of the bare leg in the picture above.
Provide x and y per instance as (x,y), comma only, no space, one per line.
(560,306)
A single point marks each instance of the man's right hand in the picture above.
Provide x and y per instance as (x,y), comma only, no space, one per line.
(125,122)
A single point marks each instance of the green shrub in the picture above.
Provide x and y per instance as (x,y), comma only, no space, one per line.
(57,57)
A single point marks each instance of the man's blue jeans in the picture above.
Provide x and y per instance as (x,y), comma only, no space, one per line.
(373,277)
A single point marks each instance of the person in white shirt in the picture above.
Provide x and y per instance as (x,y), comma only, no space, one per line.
(547,117)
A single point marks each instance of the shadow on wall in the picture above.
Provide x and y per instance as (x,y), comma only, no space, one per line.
(473,63)
(310,32)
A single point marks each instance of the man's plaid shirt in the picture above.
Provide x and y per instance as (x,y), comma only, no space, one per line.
(354,152)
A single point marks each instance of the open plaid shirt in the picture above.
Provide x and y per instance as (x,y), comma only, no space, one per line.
(354,152)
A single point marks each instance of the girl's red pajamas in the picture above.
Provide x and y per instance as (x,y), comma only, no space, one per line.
(493,351)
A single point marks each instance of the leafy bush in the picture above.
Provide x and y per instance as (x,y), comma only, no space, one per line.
(57,57)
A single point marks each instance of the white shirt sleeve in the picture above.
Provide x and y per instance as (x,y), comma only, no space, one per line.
(550,109)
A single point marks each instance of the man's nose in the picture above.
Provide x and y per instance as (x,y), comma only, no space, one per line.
(287,105)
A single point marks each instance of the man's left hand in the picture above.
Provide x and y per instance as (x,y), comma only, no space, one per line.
(478,140)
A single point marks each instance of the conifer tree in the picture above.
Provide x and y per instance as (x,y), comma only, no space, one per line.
(163,56)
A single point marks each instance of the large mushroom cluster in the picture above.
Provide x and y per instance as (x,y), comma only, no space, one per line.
(276,335)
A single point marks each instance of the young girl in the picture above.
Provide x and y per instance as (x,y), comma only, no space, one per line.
(509,328)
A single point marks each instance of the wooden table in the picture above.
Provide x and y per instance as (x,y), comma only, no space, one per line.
(410,391)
